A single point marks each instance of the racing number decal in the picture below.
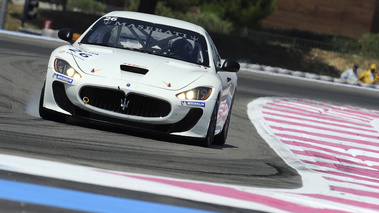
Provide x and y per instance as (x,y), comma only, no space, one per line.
(82,54)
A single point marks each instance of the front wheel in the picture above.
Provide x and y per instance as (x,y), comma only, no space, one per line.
(49,114)
(208,140)
(220,139)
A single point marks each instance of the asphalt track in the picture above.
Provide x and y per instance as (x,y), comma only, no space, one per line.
(245,160)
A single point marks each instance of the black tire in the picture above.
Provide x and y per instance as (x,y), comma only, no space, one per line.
(49,114)
(208,140)
(220,139)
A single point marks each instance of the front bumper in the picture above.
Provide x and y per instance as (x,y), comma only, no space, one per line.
(126,105)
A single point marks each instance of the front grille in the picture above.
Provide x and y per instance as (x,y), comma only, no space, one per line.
(133,104)
(187,123)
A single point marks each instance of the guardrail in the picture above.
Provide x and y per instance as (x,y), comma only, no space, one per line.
(295,42)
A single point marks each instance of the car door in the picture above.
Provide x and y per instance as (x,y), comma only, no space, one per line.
(226,80)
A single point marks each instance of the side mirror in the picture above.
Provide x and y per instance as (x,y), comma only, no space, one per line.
(230,65)
(66,35)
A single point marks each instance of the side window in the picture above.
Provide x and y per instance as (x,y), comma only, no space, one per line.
(216,57)
(215,54)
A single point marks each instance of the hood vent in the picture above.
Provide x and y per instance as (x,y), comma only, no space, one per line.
(132,69)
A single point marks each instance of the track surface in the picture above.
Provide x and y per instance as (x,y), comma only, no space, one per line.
(246,159)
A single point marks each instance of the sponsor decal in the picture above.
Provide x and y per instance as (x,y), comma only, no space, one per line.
(114,21)
(167,84)
(82,55)
(193,103)
(93,70)
(197,65)
(128,84)
(109,20)
(63,78)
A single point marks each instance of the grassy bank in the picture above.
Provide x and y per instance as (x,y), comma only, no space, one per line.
(78,21)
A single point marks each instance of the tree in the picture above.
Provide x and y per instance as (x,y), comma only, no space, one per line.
(117,3)
(180,5)
(243,13)
(147,6)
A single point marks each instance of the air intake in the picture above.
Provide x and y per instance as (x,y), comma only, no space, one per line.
(132,69)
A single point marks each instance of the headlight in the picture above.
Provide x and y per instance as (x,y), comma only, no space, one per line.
(63,67)
(199,93)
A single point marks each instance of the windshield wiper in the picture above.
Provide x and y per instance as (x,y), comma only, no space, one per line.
(98,44)
(134,49)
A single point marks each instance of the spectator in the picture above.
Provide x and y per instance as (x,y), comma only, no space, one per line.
(370,76)
(350,74)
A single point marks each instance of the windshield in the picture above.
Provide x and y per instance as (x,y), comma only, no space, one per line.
(149,37)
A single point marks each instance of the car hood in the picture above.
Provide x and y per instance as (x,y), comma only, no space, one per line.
(137,67)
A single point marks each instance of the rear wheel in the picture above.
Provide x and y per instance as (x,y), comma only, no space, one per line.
(207,142)
(49,114)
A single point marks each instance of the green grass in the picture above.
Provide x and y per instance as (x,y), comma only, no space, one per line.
(13,17)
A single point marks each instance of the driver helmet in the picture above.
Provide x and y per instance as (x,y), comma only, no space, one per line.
(181,48)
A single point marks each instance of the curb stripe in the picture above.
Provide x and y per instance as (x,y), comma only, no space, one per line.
(339,144)
(344,201)
(305,145)
(351,182)
(355,192)
(232,193)
(319,122)
(326,136)
(331,144)
(326,156)
(347,169)
(348,175)
(337,111)
(319,117)
(319,128)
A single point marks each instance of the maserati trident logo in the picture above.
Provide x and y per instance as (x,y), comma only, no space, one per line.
(124,104)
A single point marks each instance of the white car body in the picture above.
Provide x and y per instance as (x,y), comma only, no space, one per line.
(136,88)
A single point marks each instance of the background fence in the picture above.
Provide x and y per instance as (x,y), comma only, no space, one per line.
(297,42)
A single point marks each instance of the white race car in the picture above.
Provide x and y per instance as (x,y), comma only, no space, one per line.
(142,71)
